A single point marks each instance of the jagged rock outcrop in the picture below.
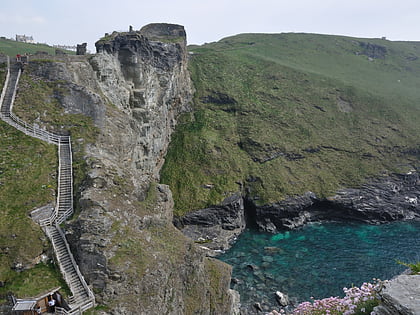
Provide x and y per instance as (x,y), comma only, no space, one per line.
(384,199)
(400,296)
(82,92)
(373,50)
(81,49)
(215,227)
(381,200)
(149,82)
(124,239)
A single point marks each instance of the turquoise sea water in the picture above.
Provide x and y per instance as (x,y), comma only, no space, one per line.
(319,259)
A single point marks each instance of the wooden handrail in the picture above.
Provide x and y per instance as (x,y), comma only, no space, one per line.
(82,279)
(65,174)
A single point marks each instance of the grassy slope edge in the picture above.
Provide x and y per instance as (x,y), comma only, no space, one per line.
(12,48)
(278,115)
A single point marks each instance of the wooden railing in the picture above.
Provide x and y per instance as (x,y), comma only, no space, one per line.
(64,205)
(66,276)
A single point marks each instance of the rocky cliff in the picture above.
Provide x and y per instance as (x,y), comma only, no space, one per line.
(380,200)
(122,236)
(125,242)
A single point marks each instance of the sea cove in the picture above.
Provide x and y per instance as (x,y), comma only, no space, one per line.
(319,259)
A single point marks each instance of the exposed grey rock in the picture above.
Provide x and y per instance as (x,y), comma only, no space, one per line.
(258,307)
(282,298)
(123,238)
(216,227)
(290,213)
(78,79)
(162,31)
(236,303)
(381,200)
(272,250)
(400,296)
(81,49)
(373,51)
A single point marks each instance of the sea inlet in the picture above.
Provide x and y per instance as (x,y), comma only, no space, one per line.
(318,260)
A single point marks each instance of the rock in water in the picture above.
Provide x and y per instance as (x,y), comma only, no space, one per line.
(258,307)
(282,298)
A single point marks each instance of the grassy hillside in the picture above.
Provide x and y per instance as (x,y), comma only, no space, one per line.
(28,179)
(278,115)
(12,48)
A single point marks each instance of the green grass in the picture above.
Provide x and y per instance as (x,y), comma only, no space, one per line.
(278,115)
(38,101)
(414,267)
(12,48)
(27,180)
(32,282)
(28,174)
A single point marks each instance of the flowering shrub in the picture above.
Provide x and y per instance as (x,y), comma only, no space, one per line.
(358,301)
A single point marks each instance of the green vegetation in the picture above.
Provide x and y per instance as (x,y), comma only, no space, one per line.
(3,69)
(414,267)
(160,38)
(27,180)
(38,101)
(12,48)
(218,275)
(28,175)
(39,279)
(279,115)
(108,37)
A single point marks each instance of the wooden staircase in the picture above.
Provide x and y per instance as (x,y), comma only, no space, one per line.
(82,298)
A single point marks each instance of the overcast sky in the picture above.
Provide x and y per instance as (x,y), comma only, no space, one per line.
(77,21)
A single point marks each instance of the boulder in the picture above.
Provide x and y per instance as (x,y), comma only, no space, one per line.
(258,307)
(282,298)
(400,296)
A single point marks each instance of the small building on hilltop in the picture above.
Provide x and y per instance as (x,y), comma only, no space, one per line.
(25,39)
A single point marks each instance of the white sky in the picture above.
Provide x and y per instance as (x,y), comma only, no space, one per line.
(77,21)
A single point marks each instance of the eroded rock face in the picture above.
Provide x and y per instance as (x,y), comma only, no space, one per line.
(400,296)
(123,237)
(82,92)
(382,200)
(149,82)
(217,227)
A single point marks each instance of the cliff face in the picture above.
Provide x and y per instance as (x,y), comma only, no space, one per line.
(122,236)
(148,82)
(381,200)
